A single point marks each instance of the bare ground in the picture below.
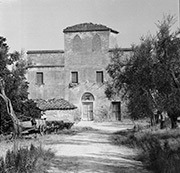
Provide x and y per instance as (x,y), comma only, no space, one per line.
(92,152)
(89,151)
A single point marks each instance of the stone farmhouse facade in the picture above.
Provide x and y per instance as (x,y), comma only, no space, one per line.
(77,73)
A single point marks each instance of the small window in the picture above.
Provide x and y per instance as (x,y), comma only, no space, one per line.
(39,78)
(74,77)
(99,77)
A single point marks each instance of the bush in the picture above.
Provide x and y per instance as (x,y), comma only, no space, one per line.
(161,158)
(102,114)
(31,160)
(56,126)
(77,116)
(160,149)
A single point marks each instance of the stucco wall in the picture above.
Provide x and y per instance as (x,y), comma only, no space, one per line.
(100,101)
(86,38)
(57,68)
(45,59)
(53,86)
(52,67)
(86,63)
(60,115)
(113,40)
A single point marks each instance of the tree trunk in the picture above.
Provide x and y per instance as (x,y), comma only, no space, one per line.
(173,122)
(153,120)
(10,111)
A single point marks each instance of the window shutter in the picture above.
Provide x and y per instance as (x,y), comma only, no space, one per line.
(99,76)
(39,77)
(74,77)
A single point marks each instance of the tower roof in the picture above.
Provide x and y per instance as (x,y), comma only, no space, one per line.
(86,27)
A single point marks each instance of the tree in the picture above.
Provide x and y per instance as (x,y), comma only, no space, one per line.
(12,71)
(150,78)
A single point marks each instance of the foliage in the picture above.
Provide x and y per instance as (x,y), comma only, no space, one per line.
(160,150)
(77,115)
(26,160)
(160,157)
(150,78)
(102,114)
(12,70)
(30,109)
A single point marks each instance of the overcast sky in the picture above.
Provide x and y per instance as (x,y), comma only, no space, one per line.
(39,24)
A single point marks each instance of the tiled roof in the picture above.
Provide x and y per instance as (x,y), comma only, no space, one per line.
(44,51)
(54,104)
(121,49)
(85,27)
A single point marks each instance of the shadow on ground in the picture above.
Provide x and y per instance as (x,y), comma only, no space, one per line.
(92,152)
(94,165)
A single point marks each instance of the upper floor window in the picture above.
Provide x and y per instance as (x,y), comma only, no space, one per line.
(39,78)
(99,77)
(74,77)
(77,43)
(96,43)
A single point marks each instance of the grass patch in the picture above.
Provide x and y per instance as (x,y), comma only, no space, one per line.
(160,149)
(26,160)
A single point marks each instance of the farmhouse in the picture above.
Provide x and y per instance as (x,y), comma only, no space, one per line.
(77,73)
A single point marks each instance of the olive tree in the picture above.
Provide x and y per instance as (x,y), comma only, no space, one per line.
(150,78)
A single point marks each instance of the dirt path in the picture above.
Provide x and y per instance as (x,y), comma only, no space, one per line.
(91,152)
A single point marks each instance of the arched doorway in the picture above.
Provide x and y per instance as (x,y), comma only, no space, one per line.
(87,103)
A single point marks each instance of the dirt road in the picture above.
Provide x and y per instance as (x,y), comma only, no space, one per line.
(91,152)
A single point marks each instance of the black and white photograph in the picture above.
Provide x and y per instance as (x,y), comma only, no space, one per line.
(89,86)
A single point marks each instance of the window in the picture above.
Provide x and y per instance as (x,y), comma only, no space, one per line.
(39,78)
(96,43)
(116,110)
(77,43)
(74,77)
(99,77)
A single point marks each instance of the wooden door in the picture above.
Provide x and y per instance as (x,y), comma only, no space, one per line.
(116,110)
(87,111)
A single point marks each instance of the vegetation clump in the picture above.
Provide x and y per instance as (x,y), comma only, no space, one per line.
(149,79)
(12,71)
(25,160)
(160,151)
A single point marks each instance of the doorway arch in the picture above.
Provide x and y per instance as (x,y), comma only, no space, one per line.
(87,100)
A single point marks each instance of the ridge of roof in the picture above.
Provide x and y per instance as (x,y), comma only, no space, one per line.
(85,27)
(121,49)
(44,51)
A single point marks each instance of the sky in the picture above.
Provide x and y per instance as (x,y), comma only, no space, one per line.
(38,24)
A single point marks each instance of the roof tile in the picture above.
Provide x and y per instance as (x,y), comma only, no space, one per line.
(54,104)
(85,27)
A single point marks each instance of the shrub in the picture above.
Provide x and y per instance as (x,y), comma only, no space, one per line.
(57,126)
(160,149)
(31,160)
(77,116)
(102,114)
(161,158)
